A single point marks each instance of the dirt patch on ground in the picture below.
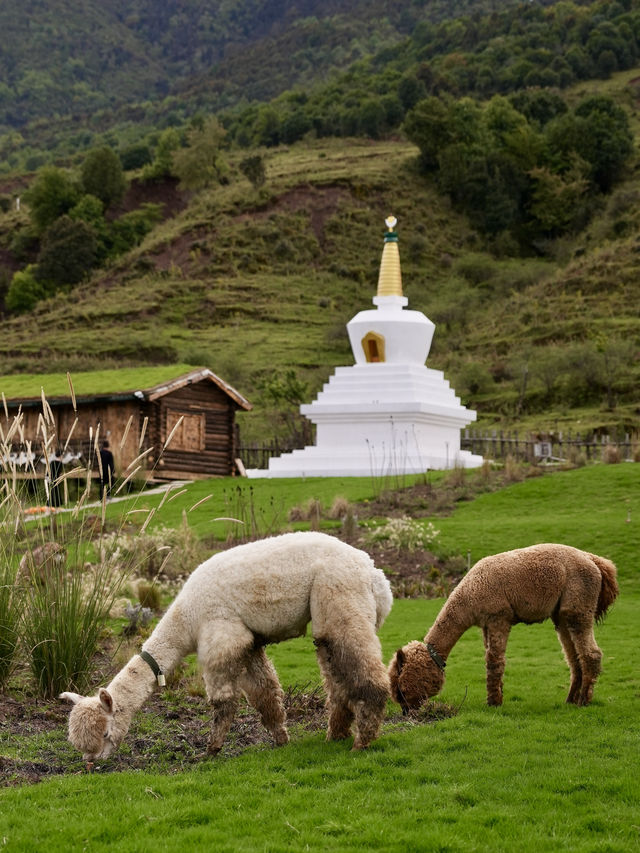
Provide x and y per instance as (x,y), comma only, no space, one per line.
(166,193)
(319,202)
(169,733)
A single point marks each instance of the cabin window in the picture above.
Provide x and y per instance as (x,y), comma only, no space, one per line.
(373,346)
(190,434)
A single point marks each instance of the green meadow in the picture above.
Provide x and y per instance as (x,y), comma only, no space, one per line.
(532,775)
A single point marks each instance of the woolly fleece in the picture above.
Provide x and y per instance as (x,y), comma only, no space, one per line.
(231,607)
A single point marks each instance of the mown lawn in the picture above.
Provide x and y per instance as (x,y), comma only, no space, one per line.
(533,775)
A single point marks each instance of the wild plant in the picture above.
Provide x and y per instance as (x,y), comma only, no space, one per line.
(246,520)
(611,454)
(10,604)
(63,622)
(405,534)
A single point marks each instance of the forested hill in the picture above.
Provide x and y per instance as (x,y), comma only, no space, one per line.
(59,60)
(119,71)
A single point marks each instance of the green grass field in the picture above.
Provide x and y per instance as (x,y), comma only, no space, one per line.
(533,775)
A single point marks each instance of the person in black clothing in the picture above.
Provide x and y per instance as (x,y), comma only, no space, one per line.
(52,477)
(108,469)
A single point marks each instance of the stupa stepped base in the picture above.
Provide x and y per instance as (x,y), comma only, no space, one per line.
(316,461)
(385,385)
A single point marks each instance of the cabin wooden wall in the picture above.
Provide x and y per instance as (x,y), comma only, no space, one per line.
(205,443)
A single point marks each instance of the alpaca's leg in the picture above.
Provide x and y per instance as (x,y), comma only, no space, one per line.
(262,688)
(340,714)
(571,656)
(495,636)
(223,712)
(357,684)
(223,650)
(580,627)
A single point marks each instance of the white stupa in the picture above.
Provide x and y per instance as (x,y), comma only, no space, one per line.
(388,413)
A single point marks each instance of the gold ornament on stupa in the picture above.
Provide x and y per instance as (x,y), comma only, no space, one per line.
(390,276)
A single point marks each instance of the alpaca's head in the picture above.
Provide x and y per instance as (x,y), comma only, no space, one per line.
(414,676)
(92,727)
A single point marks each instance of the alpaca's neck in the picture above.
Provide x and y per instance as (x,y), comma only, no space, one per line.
(450,625)
(171,640)
(129,690)
(132,686)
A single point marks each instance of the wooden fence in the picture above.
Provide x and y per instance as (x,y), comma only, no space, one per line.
(537,447)
(258,455)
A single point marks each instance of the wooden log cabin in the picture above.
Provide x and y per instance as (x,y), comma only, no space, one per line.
(195,409)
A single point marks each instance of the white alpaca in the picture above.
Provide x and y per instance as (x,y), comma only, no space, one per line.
(231,607)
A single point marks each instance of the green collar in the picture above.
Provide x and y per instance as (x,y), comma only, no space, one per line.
(435,657)
(155,667)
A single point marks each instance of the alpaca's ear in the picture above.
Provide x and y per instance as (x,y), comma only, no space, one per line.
(74,698)
(106,700)
(400,659)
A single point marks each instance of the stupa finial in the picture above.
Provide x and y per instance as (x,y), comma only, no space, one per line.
(390,277)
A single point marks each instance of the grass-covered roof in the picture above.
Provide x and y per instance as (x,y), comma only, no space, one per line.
(91,383)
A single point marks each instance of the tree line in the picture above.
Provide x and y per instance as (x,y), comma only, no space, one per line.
(331,75)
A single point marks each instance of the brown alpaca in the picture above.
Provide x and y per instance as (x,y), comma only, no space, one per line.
(573,588)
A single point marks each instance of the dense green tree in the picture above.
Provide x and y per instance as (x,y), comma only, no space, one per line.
(201,162)
(429,126)
(68,252)
(102,176)
(294,126)
(135,156)
(90,210)
(371,118)
(539,106)
(162,164)
(558,199)
(410,91)
(598,130)
(267,126)
(53,193)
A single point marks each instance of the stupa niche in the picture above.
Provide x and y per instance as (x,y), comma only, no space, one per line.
(388,413)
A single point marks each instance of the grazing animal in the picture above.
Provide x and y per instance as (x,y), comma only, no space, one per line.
(231,607)
(528,585)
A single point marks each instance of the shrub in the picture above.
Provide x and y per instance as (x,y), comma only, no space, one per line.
(149,595)
(25,291)
(405,534)
(253,170)
(339,508)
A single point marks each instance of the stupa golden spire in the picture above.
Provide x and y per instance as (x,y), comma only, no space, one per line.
(390,277)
